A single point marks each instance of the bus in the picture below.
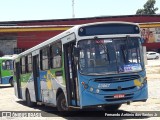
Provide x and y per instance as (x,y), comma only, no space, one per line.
(95,64)
(6,70)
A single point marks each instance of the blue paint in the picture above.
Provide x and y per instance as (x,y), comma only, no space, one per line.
(89,98)
(41,77)
(5,80)
(39,89)
(106,93)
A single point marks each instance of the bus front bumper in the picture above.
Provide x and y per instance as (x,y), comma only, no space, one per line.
(95,99)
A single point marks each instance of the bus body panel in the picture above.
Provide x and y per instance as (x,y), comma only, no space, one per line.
(49,86)
(5,80)
(15,88)
(97,99)
(107,90)
(27,83)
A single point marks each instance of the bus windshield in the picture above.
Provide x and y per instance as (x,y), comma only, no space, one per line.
(110,56)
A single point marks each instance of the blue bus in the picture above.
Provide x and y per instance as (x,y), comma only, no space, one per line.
(94,64)
(6,70)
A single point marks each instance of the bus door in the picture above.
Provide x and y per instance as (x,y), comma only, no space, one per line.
(71,75)
(36,78)
(17,73)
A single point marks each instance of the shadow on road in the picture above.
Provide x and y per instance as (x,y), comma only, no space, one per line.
(5,86)
(86,114)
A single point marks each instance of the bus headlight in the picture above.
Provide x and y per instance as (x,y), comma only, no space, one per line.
(91,89)
(97,90)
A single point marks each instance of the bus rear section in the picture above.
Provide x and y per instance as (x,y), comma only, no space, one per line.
(6,71)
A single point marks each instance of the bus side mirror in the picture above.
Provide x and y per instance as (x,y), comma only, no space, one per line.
(76,52)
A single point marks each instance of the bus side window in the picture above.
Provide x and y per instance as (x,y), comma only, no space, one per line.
(29,63)
(44,59)
(56,53)
(11,64)
(4,65)
(23,65)
(7,65)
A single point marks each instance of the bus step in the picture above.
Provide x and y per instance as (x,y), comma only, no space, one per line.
(76,107)
(39,103)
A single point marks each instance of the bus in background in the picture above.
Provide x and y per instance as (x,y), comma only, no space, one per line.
(6,70)
(95,64)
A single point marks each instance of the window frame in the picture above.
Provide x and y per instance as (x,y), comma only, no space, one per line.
(29,63)
(23,65)
(7,67)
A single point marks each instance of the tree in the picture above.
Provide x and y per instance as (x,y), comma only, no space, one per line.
(148,8)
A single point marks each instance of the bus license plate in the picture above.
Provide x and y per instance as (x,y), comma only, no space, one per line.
(119,95)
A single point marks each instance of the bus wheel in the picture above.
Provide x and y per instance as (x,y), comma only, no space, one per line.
(11,82)
(111,107)
(28,100)
(61,103)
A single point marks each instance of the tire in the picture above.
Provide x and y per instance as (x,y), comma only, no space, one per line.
(28,100)
(11,82)
(111,107)
(157,57)
(61,103)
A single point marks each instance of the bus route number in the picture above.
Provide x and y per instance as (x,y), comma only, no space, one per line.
(103,85)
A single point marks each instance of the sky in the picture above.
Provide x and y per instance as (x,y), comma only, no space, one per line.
(17,10)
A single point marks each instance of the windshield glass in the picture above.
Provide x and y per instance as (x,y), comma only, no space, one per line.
(110,56)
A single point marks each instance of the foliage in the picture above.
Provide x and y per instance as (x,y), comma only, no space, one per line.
(148,8)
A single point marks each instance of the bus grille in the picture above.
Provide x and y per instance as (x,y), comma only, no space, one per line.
(126,88)
(117,79)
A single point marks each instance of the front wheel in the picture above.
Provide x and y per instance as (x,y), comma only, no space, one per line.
(112,107)
(61,103)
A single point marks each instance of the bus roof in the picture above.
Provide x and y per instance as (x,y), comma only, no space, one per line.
(67,32)
(9,56)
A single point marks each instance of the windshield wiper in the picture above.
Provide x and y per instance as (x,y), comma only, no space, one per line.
(123,54)
(108,55)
